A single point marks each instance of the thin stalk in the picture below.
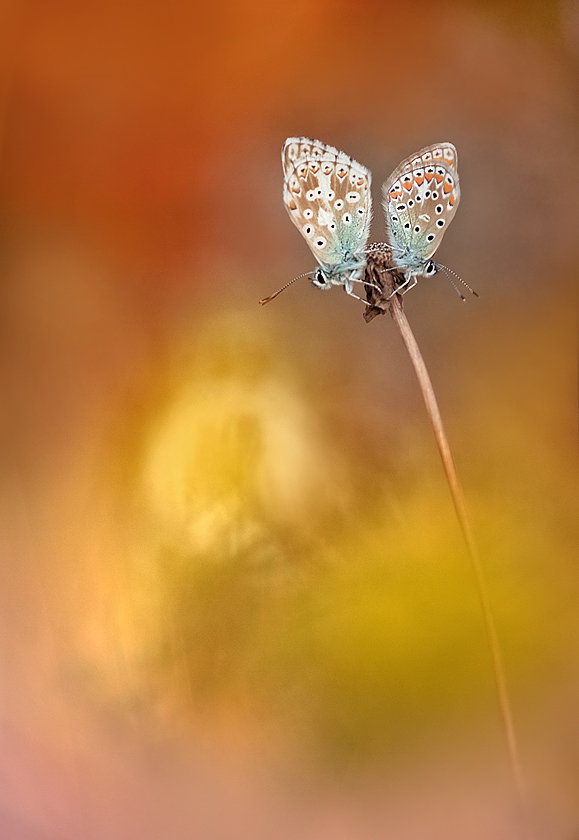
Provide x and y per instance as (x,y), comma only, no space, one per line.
(425,383)
(393,303)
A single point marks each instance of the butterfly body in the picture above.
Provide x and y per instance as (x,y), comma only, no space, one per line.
(327,196)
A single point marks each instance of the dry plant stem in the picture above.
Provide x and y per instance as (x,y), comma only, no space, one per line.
(378,274)
(401,321)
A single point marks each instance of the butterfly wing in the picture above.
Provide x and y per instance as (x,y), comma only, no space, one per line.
(420,199)
(327,196)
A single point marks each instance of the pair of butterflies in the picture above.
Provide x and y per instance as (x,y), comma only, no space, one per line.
(327,195)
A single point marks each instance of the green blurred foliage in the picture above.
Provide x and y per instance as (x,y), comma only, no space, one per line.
(281,601)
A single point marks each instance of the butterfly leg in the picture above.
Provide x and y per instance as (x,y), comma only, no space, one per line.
(352,294)
(398,290)
(366,283)
(348,286)
(411,286)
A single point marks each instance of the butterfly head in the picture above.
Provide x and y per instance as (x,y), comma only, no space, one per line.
(320,278)
(430,268)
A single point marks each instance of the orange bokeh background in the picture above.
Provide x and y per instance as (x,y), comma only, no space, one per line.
(234,600)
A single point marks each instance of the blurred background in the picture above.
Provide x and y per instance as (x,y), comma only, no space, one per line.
(234,599)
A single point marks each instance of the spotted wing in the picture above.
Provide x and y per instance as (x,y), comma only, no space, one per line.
(420,199)
(327,196)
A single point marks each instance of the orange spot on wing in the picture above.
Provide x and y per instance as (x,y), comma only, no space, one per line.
(439,178)
(429,176)
(447,188)
(451,200)
(407,186)
(419,179)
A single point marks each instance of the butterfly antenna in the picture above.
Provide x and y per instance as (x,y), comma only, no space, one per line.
(448,272)
(265,300)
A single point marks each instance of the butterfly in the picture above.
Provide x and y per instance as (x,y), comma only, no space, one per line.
(420,199)
(327,195)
